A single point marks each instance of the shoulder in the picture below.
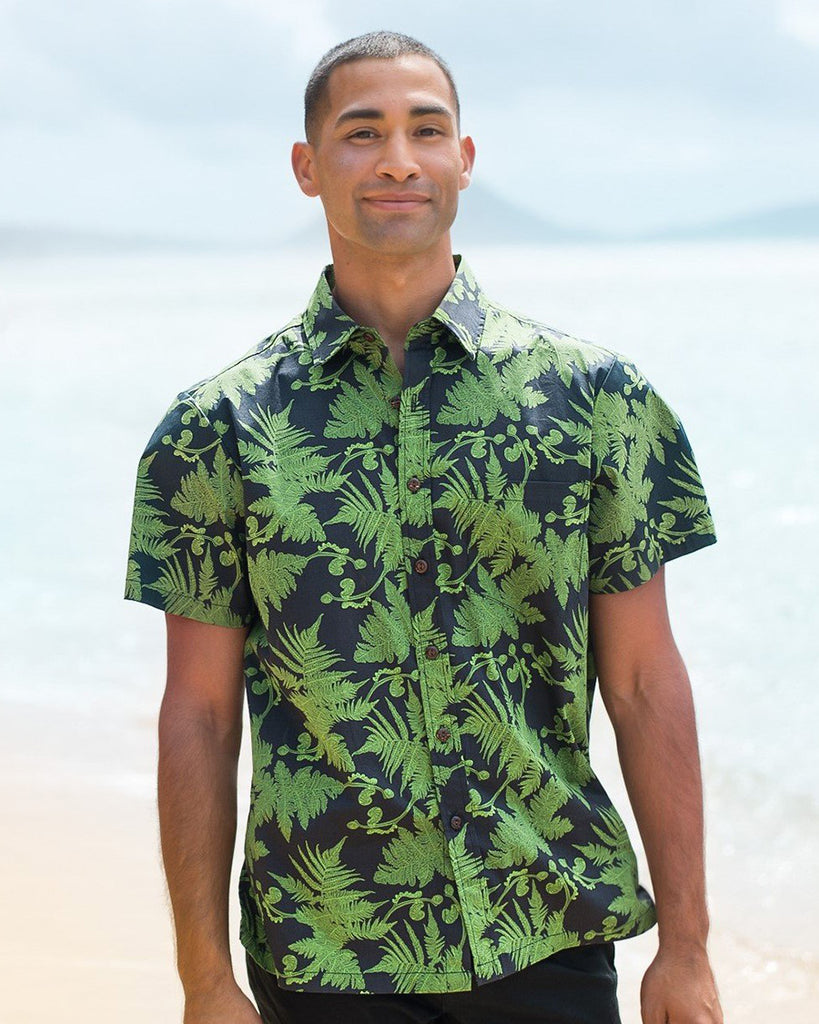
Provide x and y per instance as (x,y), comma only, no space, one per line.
(237,383)
(573,357)
(205,413)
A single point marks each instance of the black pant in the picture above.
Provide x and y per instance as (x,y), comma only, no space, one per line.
(573,986)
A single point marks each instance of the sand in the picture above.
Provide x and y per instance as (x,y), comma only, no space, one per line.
(86,931)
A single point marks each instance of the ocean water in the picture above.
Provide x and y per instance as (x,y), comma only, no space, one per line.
(92,351)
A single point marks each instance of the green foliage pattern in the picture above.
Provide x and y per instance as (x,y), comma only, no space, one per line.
(414,579)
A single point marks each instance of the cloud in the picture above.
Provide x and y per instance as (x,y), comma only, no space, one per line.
(165,117)
(186,62)
(309,28)
(799,19)
(179,113)
(727,53)
(626,159)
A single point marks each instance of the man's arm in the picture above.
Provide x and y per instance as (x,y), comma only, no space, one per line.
(646,691)
(200,729)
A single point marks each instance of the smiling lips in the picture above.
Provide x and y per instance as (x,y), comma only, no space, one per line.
(397,200)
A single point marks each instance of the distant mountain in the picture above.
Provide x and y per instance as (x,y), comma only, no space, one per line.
(16,240)
(799,221)
(484,218)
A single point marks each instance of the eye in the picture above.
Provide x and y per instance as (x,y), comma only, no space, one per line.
(362,133)
(430,129)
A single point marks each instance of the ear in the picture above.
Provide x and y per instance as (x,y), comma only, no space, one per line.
(304,168)
(467,161)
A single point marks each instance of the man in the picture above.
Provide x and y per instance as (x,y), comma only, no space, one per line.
(416,527)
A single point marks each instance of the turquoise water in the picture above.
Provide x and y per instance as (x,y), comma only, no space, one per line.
(94,349)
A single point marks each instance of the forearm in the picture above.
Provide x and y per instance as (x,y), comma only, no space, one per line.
(645,687)
(657,745)
(197,821)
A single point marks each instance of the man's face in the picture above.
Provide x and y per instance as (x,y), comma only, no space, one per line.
(386,160)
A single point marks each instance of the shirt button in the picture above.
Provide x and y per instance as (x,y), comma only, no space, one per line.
(395,402)
(368,336)
(421,565)
(413,483)
(431,651)
(456,821)
(442,734)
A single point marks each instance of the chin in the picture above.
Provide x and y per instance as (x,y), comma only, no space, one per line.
(390,241)
(398,244)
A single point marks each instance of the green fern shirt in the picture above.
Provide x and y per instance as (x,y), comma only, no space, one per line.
(413,558)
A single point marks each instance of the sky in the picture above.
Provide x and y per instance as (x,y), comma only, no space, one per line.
(174,118)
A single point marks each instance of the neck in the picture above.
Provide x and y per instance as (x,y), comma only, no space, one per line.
(391,294)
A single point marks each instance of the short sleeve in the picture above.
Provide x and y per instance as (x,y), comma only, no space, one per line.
(648,504)
(187,551)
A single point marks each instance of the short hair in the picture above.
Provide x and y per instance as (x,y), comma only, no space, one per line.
(378,45)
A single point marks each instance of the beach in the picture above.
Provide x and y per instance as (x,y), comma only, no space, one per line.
(94,350)
(87,933)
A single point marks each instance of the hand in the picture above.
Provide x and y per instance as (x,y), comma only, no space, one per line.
(679,988)
(225,1005)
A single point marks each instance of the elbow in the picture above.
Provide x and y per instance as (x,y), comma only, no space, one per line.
(184,720)
(648,695)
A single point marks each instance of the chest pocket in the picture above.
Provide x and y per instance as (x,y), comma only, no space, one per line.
(557,502)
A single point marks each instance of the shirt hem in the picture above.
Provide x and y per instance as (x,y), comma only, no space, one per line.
(669,552)
(210,614)
(646,922)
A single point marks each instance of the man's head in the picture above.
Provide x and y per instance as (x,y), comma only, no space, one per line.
(371,46)
(384,152)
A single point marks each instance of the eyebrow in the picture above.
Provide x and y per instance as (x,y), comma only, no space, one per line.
(372,114)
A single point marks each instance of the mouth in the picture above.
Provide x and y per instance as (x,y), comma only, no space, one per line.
(401,201)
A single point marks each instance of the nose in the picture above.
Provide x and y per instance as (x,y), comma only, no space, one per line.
(397,159)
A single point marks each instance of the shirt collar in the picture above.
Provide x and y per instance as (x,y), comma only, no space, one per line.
(327,328)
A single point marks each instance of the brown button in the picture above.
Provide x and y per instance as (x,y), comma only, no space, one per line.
(456,821)
(413,483)
(421,565)
(431,651)
(368,336)
(395,402)
(442,734)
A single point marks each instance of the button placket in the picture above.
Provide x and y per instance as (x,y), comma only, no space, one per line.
(435,670)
